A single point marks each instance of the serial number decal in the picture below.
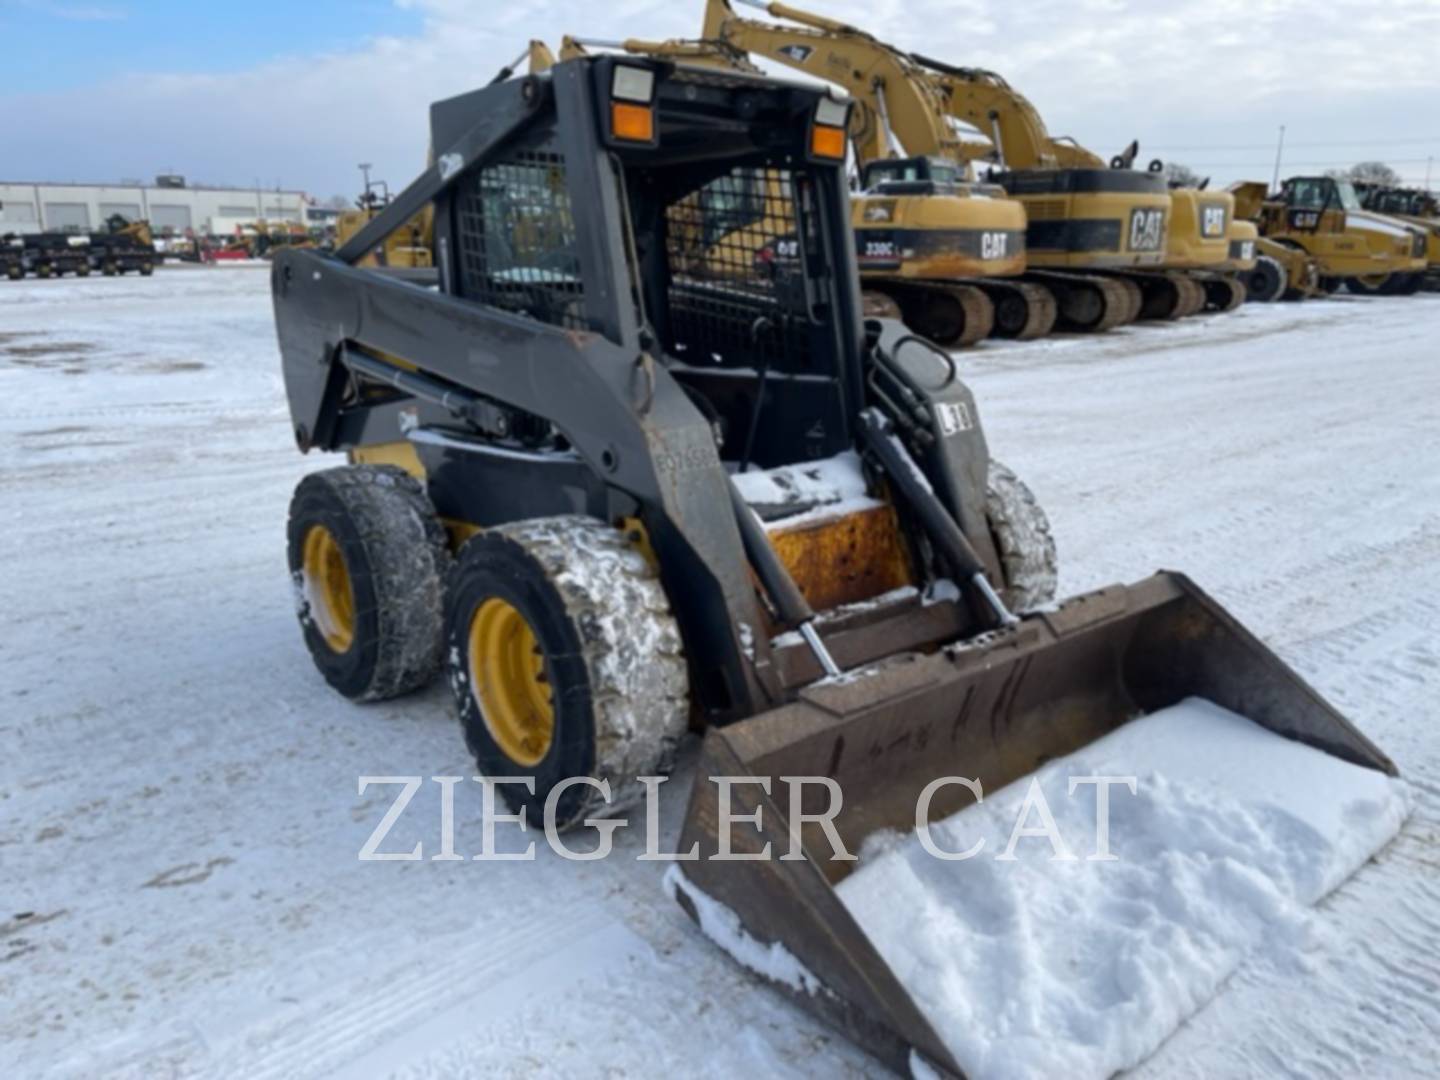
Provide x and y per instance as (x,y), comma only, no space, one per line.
(954,417)
(1147,229)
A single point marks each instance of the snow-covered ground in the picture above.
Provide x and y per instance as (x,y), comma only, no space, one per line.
(180,892)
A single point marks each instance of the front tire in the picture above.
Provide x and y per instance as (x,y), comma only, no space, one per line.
(368,557)
(564,661)
(1022,536)
(1268,282)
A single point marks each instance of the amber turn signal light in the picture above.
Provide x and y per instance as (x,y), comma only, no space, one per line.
(635,123)
(827,142)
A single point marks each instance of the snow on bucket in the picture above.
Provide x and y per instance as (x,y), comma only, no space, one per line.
(1252,799)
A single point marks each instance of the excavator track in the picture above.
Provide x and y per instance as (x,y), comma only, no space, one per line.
(1086,303)
(1024,311)
(1224,293)
(1194,297)
(1164,295)
(950,314)
(1134,298)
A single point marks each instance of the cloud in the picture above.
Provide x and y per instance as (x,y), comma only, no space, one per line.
(1188,73)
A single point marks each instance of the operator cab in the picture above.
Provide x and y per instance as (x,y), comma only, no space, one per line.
(1319,193)
(731,201)
(911,176)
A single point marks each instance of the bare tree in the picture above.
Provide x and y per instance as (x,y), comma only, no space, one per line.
(1178,175)
(338,202)
(1367,172)
(1375,172)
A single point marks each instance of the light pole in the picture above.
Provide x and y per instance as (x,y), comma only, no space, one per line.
(365,172)
(1279,148)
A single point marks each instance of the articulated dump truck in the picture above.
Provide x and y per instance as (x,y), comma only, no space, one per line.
(614,497)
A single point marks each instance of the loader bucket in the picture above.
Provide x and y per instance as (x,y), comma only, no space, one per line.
(994,709)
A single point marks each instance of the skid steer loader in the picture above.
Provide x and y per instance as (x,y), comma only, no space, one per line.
(615,497)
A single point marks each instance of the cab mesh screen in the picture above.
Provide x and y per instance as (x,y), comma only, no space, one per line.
(737,291)
(517,239)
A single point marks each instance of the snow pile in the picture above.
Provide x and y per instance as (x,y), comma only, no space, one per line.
(1031,967)
(831,487)
(723,927)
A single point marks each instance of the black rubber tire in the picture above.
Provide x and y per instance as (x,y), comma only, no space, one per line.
(1022,536)
(1402,285)
(44,270)
(146,269)
(396,556)
(613,658)
(1330,285)
(1268,282)
(1361,288)
(15,271)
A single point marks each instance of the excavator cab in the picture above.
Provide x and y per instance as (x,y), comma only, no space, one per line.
(911,176)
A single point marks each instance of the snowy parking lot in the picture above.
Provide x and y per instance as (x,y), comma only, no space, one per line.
(180,892)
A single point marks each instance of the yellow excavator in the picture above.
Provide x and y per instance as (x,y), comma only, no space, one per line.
(1083,217)
(1321,217)
(934,248)
(405,249)
(1202,235)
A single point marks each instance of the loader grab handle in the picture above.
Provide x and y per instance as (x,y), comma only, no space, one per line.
(790,603)
(902,470)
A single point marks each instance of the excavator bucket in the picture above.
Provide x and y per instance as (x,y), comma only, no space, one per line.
(993,709)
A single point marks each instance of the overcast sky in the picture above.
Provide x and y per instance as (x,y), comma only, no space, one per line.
(296,94)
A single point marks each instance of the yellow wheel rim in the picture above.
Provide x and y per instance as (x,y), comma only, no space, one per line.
(1373,281)
(327,588)
(510,684)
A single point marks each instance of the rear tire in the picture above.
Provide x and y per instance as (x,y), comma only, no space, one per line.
(368,557)
(1022,536)
(1372,286)
(607,693)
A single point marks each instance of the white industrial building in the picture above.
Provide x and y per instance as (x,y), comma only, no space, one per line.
(170,205)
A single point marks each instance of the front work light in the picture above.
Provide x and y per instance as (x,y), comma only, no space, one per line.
(633,84)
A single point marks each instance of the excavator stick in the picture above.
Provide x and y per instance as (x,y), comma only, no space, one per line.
(991,709)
